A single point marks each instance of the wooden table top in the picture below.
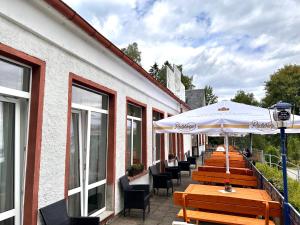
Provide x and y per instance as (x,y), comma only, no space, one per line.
(241,193)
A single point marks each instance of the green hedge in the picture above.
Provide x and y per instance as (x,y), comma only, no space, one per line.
(274,176)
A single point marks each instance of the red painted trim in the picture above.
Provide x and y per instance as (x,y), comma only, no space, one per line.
(162,138)
(144,129)
(159,111)
(111,153)
(76,19)
(135,102)
(35,130)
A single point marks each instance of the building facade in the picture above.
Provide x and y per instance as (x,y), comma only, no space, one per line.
(75,114)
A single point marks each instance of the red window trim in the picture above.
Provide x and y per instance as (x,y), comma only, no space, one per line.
(144,129)
(35,130)
(162,151)
(111,153)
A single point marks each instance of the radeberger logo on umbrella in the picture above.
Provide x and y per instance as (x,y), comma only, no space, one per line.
(185,126)
(262,125)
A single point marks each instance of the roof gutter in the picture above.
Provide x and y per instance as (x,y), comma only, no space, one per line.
(73,16)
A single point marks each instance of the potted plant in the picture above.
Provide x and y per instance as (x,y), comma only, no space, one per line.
(228,186)
(135,169)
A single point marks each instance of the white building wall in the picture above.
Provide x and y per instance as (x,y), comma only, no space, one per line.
(36,29)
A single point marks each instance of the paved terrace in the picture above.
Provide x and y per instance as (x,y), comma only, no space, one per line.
(163,211)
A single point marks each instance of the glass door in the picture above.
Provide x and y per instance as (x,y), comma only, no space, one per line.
(75,192)
(96,162)
(9,161)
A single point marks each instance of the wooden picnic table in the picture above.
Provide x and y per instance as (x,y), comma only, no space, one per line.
(211,204)
(241,193)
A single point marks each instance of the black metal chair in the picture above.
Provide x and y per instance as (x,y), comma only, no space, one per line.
(135,196)
(161,180)
(191,159)
(184,166)
(174,170)
(56,214)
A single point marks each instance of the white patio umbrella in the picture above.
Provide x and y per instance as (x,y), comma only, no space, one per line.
(224,118)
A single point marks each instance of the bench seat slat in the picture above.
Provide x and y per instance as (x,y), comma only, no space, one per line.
(222,218)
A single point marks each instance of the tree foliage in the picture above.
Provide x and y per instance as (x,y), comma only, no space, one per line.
(246,98)
(160,74)
(210,97)
(284,85)
(132,51)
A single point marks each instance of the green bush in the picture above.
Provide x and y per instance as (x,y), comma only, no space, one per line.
(274,176)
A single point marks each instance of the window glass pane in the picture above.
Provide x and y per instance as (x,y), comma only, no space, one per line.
(96,199)
(157,116)
(10,221)
(89,98)
(7,151)
(158,146)
(171,148)
(133,110)
(128,147)
(14,76)
(194,140)
(74,176)
(74,205)
(98,147)
(137,142)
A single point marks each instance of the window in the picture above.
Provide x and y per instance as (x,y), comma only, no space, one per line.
(14,96)
(134,135)
(88,152)
(158,153)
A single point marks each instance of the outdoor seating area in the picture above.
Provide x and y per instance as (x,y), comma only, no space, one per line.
(202,199)
(236,201)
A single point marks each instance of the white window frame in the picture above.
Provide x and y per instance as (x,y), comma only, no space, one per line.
(85,168)
(80,188)
(16,212)
(132,118)
(14,96)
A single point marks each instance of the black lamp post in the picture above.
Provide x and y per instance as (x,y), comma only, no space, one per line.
(282,115)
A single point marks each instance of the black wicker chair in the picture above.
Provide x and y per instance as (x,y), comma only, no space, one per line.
(191,159)
(184,166)
(135,196)
(174,170)
(56,214)
(161,180)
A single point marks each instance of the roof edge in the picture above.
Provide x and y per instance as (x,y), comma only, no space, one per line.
(74,17)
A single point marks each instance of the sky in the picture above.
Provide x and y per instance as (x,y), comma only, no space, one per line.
(230,45)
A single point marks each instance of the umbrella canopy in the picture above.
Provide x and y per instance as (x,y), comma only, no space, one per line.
(225,117)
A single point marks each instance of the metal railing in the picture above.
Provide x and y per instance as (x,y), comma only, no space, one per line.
(263,183)
(269,159)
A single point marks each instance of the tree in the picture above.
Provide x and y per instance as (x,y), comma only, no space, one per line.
(187,82)
(210,97)
(161,75)
(154,70)
(246,98)
(284,85)
(132,51)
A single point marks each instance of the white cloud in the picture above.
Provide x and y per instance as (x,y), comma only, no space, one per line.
(225,44)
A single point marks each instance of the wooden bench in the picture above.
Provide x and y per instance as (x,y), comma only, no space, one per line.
(225,210)
(222,163)
(221,169)
(231,157)
(219,178)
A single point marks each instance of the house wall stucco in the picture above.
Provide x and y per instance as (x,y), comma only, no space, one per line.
(38,30)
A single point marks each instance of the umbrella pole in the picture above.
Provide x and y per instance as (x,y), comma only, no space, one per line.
(227,155)
(251,142)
